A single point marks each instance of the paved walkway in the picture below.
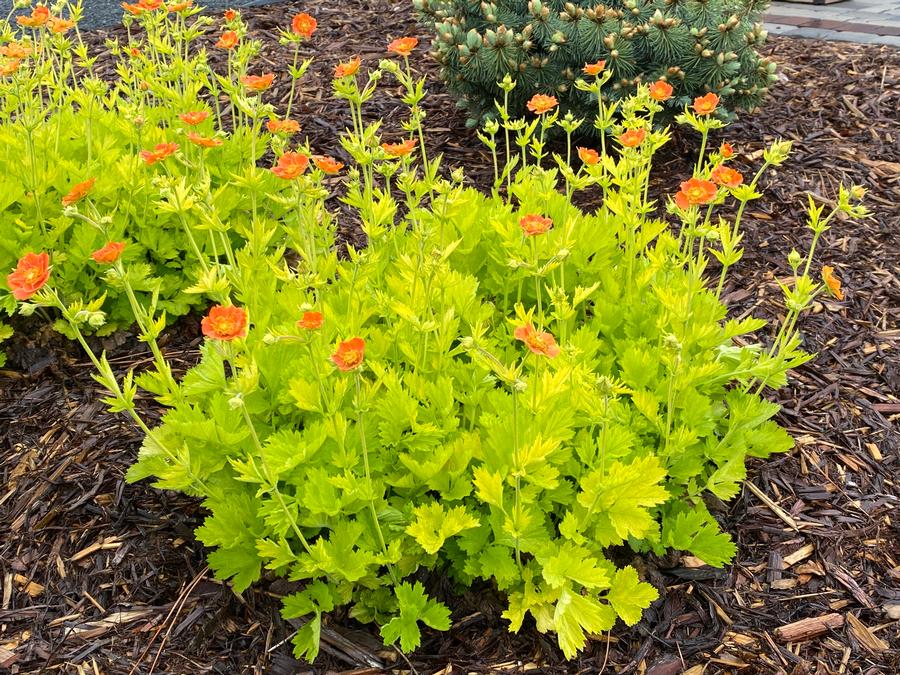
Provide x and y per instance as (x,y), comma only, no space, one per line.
(866,21)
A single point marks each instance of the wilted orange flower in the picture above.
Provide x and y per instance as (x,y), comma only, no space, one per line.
(661,91)
(79,192)
(291,165)
(726,151)
(695,192)
(594,68)
(30,275)
(832,282)
(349,354)
(40,15)
(542,343)
(258,82)
(59,25)
(399,149)
(228,40)
(15,50)
(588,156)
(180,6)
(327,165)
(224,323)
(533,224)
(203,141)
(725,175)
(230,15)
(540,103)
(403,46)
(276,126)
(304,25)
(632,137)
(311,321)
(347,68)
(159,153)
(109,253)
(705,105)
(10,67)
(194,117)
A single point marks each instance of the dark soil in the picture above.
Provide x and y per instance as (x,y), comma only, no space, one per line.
(98,576)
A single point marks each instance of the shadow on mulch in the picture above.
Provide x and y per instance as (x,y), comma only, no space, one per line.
(97,576)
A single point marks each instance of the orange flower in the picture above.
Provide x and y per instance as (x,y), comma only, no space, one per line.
(159,153)
(706,105)
(832,282)
(228,40)
(258,82)
(347,68)
(349,354)
(533,224)
(15,50)
(304,25)
(542,343)
(79,192)
(136,10)
(194,117)
(594,68)
(661,91)
(134,51)
(311,321)
(403,46)
(695,192)
(276,126)
(203,141)
(142,6)
(10,67)
(725,175)
(224,323)
(291,165)
(40,15)
(30,275)
(109,253)
(539,104)
(632,137)
(399,149)
(59,25)
(327,165)
(180,6)
(230,15)
(726,151)
(589,156)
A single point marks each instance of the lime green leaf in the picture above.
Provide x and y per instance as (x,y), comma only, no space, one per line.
(630,596)
(414,606)
(433,526)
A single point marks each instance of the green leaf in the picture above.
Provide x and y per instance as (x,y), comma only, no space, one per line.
(573,563)
(630,596)
(575,615)
(433,526)
(489,486)
(414,606)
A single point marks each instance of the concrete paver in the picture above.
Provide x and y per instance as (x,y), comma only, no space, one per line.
(864,21)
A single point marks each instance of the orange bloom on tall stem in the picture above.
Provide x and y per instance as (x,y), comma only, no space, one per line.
(10,67)
(194,117)
(725,175)
(258,82)
(159,153)
(347,68)
(534,224)
(304,25)
(540,103)
(203,141)
(632,137)
(277,126)
(30,275)
(228,40)
(832,282)
(311,321)
(180,6)
(403,46)
(78,192)
(594,68)
(539,342)
(291,165)
(59,25)
(589,156)
(695,192)
(706,105)
(15,50)
(726,151)
(230,15)
(327,165)
(224,322)
(109,253)
(349,354)
(40,15)
(399,149)
(661,91)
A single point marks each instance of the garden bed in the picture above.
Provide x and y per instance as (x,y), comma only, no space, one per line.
(107,577)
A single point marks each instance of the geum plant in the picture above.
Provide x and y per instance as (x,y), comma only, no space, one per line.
(499,388)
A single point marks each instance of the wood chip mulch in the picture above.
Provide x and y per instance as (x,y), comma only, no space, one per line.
(97,576)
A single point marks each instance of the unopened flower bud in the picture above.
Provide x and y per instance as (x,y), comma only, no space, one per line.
(794,259)
(858,192)
(467,342)
(458,175)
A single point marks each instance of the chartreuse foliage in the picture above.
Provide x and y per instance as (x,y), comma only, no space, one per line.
(499,388)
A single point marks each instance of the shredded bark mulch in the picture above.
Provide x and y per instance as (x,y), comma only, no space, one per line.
(98,576)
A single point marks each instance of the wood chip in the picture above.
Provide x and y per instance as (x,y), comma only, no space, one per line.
(807,629)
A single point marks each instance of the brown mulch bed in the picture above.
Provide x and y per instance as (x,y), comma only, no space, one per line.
(97,576)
